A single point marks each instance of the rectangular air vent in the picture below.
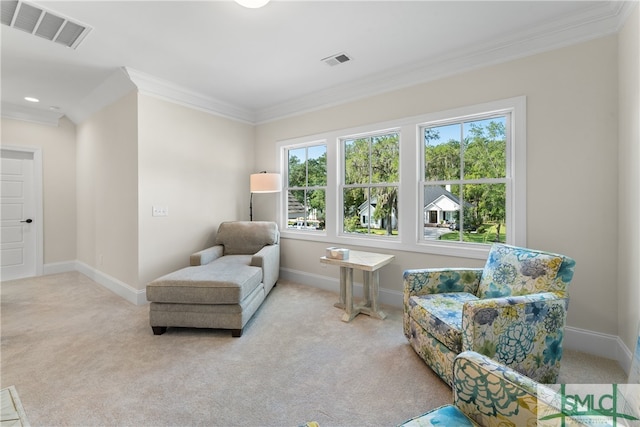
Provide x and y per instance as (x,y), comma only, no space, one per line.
(43,23)
(336,59)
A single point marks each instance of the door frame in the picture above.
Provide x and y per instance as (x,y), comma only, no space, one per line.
(36,152)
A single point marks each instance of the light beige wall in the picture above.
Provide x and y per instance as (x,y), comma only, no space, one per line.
(572,159)
(107,189)
(629,181)
(58,146)
(197,165)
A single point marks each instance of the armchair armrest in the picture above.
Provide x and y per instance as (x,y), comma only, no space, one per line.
(490,393)
(517,331)
(205,256)
(268,258)
(439,280)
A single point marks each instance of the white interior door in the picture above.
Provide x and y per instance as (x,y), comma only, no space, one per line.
(19,216)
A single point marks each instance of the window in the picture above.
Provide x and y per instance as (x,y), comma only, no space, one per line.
(305,187)
(449,182)
(465,175)
(370,184)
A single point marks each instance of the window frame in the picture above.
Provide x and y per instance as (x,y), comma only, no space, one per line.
(460,180)
(341,162)
(410,195)
(285,187)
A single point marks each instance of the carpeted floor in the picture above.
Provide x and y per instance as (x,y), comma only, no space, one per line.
(79,355)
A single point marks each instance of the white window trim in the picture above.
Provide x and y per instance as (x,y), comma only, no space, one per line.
(409,196)
(341,167)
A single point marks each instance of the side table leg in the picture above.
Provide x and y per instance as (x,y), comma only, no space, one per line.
(350,312)
(343,287)
(374,311)
(366,288)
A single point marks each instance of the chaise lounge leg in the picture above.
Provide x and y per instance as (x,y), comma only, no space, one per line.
(236,333)
(159,330)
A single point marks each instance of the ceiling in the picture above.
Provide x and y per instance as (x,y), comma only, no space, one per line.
(257,65)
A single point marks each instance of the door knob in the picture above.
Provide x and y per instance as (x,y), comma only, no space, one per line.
(28,221)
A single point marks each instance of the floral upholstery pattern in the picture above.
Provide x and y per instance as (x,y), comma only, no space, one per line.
(521,326)
(487,393)
(442,315)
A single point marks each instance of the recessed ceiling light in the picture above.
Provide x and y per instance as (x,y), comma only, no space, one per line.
(252,4)
(31,99)
(54,108)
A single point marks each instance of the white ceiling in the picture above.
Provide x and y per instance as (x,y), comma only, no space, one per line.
(257,65)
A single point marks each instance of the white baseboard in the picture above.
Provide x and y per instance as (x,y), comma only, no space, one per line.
(135,296)
(385,296)
(59,267)
(599,344)
(590,342)
(595,343)
(118,287)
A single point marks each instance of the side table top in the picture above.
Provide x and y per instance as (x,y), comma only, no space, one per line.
(368,261)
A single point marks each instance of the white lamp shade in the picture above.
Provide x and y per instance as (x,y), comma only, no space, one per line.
(252,4)
(265,183)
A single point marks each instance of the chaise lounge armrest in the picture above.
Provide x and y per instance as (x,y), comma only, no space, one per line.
(206,256)
(268,258)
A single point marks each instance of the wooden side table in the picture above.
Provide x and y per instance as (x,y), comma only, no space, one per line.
(369,263)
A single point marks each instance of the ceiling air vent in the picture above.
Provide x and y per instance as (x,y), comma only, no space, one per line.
(336,59)
(43,23)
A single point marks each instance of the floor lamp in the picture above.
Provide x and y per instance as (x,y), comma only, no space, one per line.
(263,182)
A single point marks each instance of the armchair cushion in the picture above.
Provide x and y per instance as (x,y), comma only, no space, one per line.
(441,314)
(513,311)
(510,270)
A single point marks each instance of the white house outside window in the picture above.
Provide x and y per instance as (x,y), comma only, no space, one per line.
(305,187)
(465,176)
(449,182)
(370,184)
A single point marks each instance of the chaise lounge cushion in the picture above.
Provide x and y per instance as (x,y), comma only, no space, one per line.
(226,282)
(246,237)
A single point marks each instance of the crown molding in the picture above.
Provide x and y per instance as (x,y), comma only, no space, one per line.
(29,114)
(110,90)
(602,19)
(598,21)
(163,89)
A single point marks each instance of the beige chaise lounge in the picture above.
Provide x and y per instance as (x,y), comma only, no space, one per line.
(225,284)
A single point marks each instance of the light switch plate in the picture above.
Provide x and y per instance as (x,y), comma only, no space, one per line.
(160,211)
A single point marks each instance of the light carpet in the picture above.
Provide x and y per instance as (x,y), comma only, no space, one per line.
(81,356)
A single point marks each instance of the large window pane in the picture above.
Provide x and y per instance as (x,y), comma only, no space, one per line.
(306,187)
(385,158)
(442,152)
(357,165)
(297,168)
(316,201)
(483,216)
(371,175)
(356,212)
(317,165)
(485,149)
(384,211)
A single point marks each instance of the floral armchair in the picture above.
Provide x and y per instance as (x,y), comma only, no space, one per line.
(512,310)
(487,393)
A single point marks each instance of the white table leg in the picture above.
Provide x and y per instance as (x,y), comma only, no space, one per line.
(350,311)
(366,288)
(372,309)
(343,287)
